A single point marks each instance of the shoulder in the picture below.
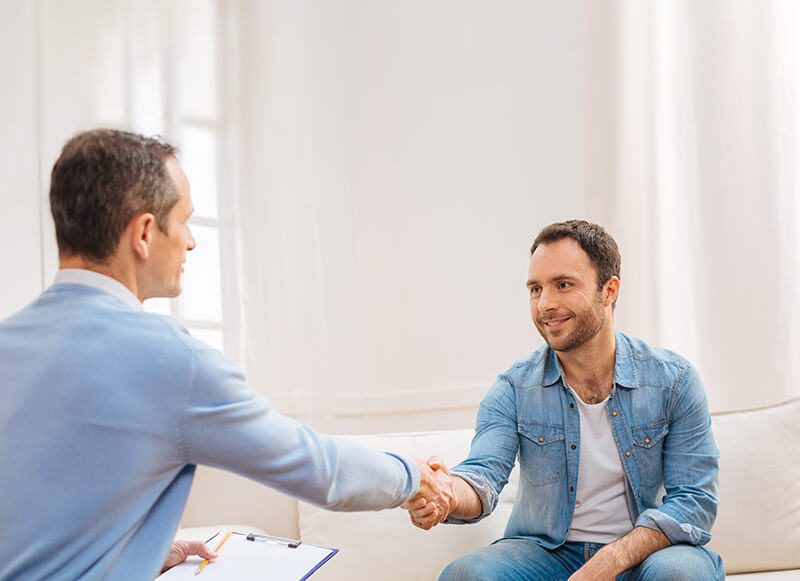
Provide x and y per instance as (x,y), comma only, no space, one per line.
(173,335)
(641,364)
(536,370)
(114,328)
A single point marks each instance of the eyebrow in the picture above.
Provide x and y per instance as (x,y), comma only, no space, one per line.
(532,281)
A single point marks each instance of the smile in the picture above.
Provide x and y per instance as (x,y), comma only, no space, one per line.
(556,322)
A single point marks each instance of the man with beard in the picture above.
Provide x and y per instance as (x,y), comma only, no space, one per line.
(617,460)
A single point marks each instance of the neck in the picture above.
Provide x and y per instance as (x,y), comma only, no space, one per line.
(111,269)
(589,369)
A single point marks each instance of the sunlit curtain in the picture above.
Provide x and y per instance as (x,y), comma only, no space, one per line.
(152,67)
(701,188)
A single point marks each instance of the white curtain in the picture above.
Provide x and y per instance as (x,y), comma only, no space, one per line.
(701,187)
(393,162)
(397,161)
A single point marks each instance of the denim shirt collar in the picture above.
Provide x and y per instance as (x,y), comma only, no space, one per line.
(624,370)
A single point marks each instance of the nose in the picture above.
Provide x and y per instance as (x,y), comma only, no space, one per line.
(190,243)
(547,301)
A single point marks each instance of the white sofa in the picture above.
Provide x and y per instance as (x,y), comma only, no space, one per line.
(757,531)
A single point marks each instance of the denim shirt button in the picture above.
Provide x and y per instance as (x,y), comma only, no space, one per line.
(573,446)
(614,414)
(627,453)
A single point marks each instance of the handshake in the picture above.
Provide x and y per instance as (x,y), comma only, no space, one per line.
(437,496)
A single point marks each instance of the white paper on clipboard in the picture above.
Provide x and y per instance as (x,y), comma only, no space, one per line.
(253,560)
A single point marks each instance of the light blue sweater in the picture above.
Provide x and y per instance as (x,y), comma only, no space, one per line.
(104,412)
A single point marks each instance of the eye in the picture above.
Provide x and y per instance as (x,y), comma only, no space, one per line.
(563,285)
(535,290)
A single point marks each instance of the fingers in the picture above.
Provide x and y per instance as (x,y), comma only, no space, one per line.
(426,511)
(437,490)
(200,549)
(425,524)
(415,503)
(180,550)
(436,463)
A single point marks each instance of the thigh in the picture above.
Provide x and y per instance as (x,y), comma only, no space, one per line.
(507,560)
(678,563)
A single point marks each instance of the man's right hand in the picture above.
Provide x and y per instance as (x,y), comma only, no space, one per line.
(436,498)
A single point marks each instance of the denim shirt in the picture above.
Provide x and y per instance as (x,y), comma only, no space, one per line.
(661,424)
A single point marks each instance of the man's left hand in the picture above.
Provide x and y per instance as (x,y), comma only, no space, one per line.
(621,555)
(601,567)
(180,550)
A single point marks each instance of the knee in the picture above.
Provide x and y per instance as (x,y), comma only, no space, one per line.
(680,563)
(466,568)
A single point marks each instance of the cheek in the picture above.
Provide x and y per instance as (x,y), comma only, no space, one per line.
(586,298)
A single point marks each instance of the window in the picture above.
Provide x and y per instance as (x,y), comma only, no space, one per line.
(175,92)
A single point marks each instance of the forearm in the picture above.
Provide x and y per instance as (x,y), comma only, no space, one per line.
(630,550)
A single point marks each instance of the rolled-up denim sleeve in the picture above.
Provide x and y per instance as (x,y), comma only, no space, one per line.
(494,447)
(691,469)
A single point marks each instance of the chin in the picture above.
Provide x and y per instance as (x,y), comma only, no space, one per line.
(170,293)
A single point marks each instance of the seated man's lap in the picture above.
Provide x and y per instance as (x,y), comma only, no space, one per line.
(514,560)
(678,563)
(525,560)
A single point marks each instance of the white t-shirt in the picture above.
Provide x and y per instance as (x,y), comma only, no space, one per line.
(601,507)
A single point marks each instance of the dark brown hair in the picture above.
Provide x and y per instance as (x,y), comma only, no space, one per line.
(101,181)
(593,239)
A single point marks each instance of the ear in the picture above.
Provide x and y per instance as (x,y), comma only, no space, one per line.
(611,291)
(140,234)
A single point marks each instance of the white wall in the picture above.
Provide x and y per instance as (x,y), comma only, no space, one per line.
(81,84)
(20,244)
(66,71)
(395,160)
(398,160)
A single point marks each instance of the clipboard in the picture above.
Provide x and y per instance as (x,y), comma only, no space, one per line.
(248,556)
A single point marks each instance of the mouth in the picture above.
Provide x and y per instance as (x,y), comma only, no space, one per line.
(554,324)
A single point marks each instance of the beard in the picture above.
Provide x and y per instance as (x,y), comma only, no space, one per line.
(586,325)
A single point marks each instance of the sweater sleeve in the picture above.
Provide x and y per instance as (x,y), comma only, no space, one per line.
(226,425)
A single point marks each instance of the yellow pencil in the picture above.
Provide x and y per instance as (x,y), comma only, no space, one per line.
(219,546)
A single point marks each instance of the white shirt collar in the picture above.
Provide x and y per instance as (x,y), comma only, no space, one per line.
(100,282)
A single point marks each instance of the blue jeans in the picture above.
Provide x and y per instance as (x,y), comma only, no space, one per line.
(524,560)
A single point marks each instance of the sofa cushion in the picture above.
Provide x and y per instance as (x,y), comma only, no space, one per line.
(385,545)
(792,575)
(205,533)
(758,524)
(218,496)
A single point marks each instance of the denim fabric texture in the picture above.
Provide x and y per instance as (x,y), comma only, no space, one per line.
(661,423)
(525,560)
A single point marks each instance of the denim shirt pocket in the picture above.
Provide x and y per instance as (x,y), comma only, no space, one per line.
(648,441)
(541,450)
